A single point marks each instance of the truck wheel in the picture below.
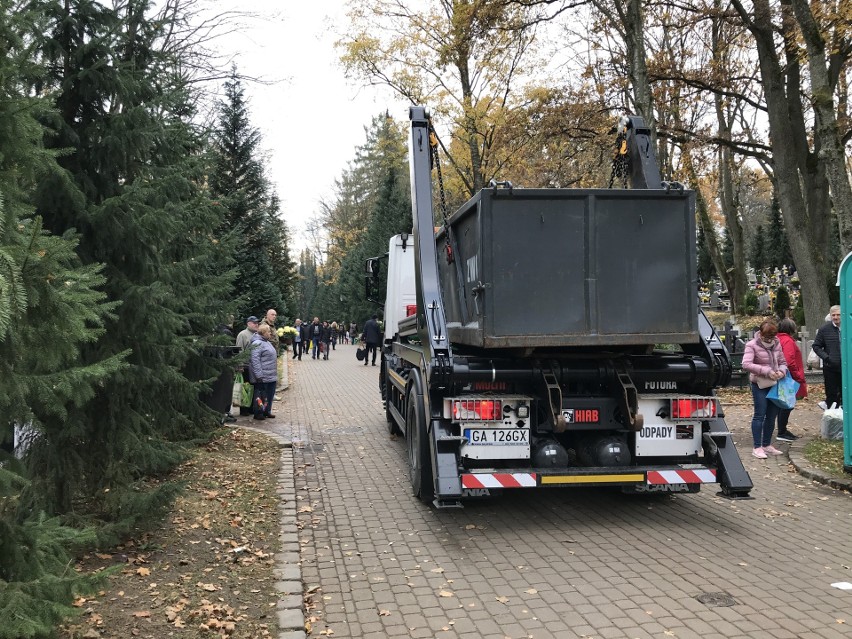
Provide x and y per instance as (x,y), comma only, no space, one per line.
(384,387)
(420,464)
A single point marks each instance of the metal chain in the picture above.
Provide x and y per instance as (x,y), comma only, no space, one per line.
(620,160)
(433,143)
(436,161)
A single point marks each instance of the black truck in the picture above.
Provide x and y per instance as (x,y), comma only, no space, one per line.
(552,337)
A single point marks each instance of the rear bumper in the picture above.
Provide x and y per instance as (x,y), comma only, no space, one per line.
(590,477)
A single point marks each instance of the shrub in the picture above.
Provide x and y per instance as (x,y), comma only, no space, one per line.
(799,313)
(751,303)
(782,300)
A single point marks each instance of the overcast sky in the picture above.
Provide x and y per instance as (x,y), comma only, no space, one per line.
(313,119)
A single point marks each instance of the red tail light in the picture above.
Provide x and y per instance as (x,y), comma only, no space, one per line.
(410,309)
(486,409)
(477,409)
(693,407)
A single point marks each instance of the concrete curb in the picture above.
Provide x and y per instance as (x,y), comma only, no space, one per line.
(796,454)
(288,568)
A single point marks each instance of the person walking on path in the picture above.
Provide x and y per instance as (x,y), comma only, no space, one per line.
(263,372)
(793,355)
(304,329)
(335,334)
(372,337)
(827,347)
(765,363)
(314,335)
(325,339)
(297,340)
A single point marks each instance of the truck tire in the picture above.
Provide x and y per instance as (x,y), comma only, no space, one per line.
(419,460)
(385,390)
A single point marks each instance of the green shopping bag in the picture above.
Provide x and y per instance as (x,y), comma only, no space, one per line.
(247,391)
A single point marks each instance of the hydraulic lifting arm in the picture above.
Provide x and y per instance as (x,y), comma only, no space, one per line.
(432,326)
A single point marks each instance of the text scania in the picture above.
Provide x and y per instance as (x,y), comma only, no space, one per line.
(657,432)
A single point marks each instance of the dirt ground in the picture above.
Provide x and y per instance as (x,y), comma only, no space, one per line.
(207,570)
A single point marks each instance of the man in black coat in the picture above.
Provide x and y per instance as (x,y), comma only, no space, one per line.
(372,337)
(827,347)
(315,335)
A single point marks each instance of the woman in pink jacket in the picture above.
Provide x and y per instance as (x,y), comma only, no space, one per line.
(786,330)
(764,360)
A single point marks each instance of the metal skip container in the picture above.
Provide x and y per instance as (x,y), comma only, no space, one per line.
(531,268)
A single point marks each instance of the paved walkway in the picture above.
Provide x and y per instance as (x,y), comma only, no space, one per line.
(373,561)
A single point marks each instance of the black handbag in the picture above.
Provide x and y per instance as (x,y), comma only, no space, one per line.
(361,354)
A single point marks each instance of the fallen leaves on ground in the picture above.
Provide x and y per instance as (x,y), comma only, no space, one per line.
(211,559)
(827,455)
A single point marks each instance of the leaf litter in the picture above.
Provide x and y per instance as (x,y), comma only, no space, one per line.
(211,558)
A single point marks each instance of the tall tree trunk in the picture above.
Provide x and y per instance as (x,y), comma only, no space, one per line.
(793,203)
(832,153)
(469,126)
(634,30)
(736,280)
(702,216)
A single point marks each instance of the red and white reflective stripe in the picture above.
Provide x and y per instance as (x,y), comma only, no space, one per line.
(499,480)
(701,476)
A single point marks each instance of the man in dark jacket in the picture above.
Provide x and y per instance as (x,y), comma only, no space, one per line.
(372,337)
(827,347)
(315,336)
(306,338)
(325,338)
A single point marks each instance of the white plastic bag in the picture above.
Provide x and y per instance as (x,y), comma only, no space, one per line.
(237,391)
(813,360)
(832,424)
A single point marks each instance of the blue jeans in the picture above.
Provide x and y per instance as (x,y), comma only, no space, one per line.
(765,412)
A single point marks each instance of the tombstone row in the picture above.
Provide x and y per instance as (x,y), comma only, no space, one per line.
(735,340)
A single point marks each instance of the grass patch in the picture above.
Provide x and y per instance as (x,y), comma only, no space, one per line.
(826,455)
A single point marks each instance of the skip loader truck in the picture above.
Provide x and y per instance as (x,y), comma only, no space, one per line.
(552,337)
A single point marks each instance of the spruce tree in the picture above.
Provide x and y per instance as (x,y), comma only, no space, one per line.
(777,248)
(44,387)
(372,204)
(50,306)
(251,210)
(757,255)
(705,263)
(283,264)
(727,249)
(391,215)
(133,186)
(307,284)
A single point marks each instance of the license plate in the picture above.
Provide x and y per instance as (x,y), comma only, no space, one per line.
(497,436)
(657,432)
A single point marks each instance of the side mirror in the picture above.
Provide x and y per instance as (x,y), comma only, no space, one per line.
(371,267)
